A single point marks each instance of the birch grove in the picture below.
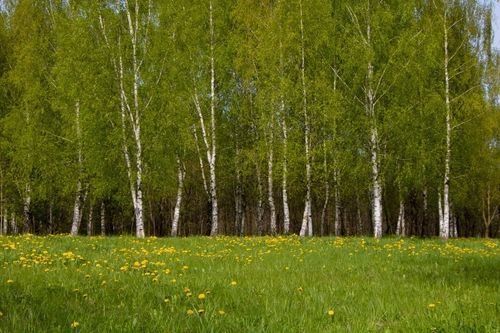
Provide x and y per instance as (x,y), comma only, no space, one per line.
(249,118)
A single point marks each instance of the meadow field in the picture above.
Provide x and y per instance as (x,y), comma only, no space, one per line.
(259,284)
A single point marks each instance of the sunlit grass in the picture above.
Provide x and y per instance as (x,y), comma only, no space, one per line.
(227,284)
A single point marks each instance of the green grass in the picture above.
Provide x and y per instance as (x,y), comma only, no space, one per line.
(282,285)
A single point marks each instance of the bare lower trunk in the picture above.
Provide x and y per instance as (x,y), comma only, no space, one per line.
(401,227)
(27,209)
(178,202)
(238,201)
(270,194)
(360,220)
(5,221)
(327,191)
(90,222)
(103,219)
(306,228)
(284,185)
(260,203)
(75,225)
(440,212)
(51,217)
(338,225)
(13,224)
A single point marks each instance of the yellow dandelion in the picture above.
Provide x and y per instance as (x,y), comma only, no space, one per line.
(201,296)
(201,311)
(234,283)
(431,306)
(10,281)
(75,324)
(331,312)
(221,312)
(190,312)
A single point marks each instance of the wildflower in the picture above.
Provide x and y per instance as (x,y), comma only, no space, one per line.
(221,312)
(201,311)
(75,324)
(10,281)
(331,312)
(190,312)
(234,283)
(201,296)
(431,306)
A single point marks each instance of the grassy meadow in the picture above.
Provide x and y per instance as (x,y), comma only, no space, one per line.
(229,284)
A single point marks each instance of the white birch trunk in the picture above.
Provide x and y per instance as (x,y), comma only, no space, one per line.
(270,191)
(213,183)
(5,222)
(13,224)
(306,228)
(338,225)
(444,232)
(440,212)
(178,202)
(103,219)
(401,226)
(327,191)
(90,221)
(284,171)
(77,207)
(284,185)
(370,110)
(27,209)
(260,203)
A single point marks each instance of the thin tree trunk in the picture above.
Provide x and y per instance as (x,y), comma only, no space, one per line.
(401,227)
(77,207)
(327,191)
(370,110)
(444,232)
(180,185)
(260,203)
(27,209)
(440,212)
(270,192)
(306,228)
(13,224)
(51,217)
(338,225)
(5,222)
(360,220)
(284,185)
(90,222)
(103,219)
(211,162)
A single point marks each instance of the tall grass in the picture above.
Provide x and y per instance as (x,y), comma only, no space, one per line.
(227,284)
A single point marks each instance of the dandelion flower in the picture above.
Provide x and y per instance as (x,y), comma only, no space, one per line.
(431,306)
(331,312)
(75,324)
(10,281)
(221,312)
(234,283)
(201,296)
(190,312)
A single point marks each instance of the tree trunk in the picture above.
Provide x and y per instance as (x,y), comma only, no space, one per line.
(213,183)
(90,222)
(444,232)
(440,212)
(327,191)
(306,228)
(103,219)
(284,185)
(260,203)
(13,224)
(177,210)
(401,227)
(27,209)
(270,192)
(338,225)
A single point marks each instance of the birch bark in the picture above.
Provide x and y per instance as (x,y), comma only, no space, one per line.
(306,228)
(180,186)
